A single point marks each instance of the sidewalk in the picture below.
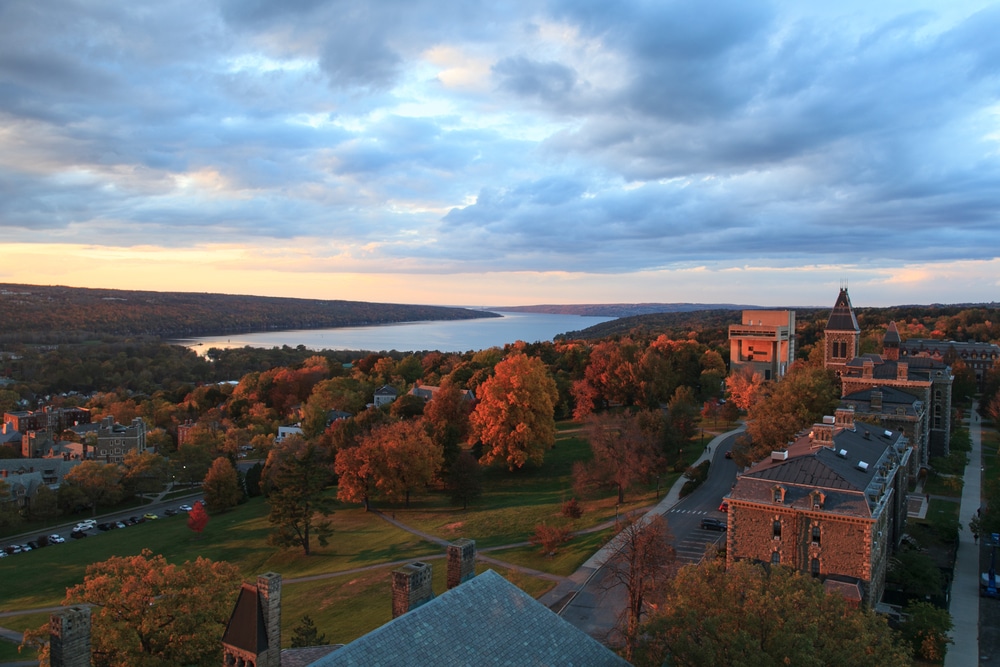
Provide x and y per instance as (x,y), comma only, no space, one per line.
(559,597)
(964,605)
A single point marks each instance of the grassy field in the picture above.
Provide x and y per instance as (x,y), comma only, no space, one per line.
(349,601)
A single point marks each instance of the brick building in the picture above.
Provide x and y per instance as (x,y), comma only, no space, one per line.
(927,379)
(764,342)
(895,410)
(833,504)
(53,420)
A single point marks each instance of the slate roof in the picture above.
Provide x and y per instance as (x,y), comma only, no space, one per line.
(842,317)
(889,395)
(487,621)
(942,347)
(891,335)
(246,630)
(917,368)
(809,467)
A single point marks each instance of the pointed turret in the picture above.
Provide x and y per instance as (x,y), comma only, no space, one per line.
(891,342)
(843,335)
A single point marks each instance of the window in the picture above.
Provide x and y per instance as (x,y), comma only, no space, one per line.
(775,558)
(814,567)
(815,535)
(776,527)
(779,494)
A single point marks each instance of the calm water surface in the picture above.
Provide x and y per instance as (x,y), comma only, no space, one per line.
(450,336)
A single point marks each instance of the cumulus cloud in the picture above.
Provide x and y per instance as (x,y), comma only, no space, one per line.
(467,136)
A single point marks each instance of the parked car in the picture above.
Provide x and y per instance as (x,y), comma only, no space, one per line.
(170,512)
(3,553)
(32,545)
(149,516)
(185,508)
(120,524)
(729,454)
(132,520)
(55,538)
(13,549)
(724,506)
(78,534)
(713,524)
(104,527)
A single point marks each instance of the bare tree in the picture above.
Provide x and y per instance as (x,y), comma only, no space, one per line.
(643,562)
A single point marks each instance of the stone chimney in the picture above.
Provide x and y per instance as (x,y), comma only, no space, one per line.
(461,562)
(69,638)
(868,368)
(822,433)
(411,587)
(876,401)
(269,590)
(902,370)
(844,418)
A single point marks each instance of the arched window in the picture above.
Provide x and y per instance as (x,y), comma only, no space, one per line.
(776,528)
(775,558)
(815,534)
(814,567)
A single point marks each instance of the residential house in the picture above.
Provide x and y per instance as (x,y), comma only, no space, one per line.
(428,391)
(286,431)
(832,504)
(384,395)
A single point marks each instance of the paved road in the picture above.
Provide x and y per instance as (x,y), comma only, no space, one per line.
(589,598)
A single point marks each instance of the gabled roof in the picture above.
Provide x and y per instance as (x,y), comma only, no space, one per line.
(485,621)
(890,396)
(842,317)
(246,630)
(386,390)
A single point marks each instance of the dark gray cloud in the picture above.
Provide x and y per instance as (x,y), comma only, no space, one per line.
(575,136)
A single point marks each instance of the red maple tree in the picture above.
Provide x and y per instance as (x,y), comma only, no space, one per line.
(197,517)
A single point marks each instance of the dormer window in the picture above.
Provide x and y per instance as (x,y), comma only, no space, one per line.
(818,499)
(779,494)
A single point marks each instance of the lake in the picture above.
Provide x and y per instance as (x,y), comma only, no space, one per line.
(447,336)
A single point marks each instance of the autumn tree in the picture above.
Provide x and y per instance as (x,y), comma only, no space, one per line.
(465,480)
(151,613)
(514,417)
(751,615)
(341,393)
(926,629)
(10,517)
(447,419)
(221,486)
(91,484)
(742,387)
(800,399)
(45,504)
(625,452)
(295,479)
(145,472)
(549,538)
(356,469)
(642,561)
(197,518)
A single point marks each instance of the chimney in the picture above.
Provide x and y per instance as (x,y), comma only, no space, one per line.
(411,587)
(269,590)
(461,562)
(868,368)
(876,401)
(845,418)
(902,370)
(822,433)
(69,638)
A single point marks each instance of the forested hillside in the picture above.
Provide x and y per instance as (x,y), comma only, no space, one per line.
(55,314)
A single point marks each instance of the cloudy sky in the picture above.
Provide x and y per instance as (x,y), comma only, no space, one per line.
(504,153)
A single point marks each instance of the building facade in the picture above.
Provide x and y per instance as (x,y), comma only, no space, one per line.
(832,505)
(115,440)
(928,380)
(980,357)
(764,342)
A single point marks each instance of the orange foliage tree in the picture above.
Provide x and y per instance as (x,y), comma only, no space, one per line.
(514,417)
(197,518)
(148,612)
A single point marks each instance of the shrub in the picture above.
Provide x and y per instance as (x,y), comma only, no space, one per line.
(572,509)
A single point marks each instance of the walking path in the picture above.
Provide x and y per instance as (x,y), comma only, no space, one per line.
(556,599)
(964,605)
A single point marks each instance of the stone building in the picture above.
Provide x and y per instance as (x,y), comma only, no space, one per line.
(927,379)
(115,440)
(980,357)
(833,504)
(895,410)
(764,342)
(53,420)
(253,634)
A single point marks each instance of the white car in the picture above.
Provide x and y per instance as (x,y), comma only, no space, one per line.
(185,508)
(56,539)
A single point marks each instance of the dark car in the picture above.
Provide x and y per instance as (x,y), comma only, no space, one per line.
(713,524)
(104,526)
(78,534)
(729,454)
(170,512)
